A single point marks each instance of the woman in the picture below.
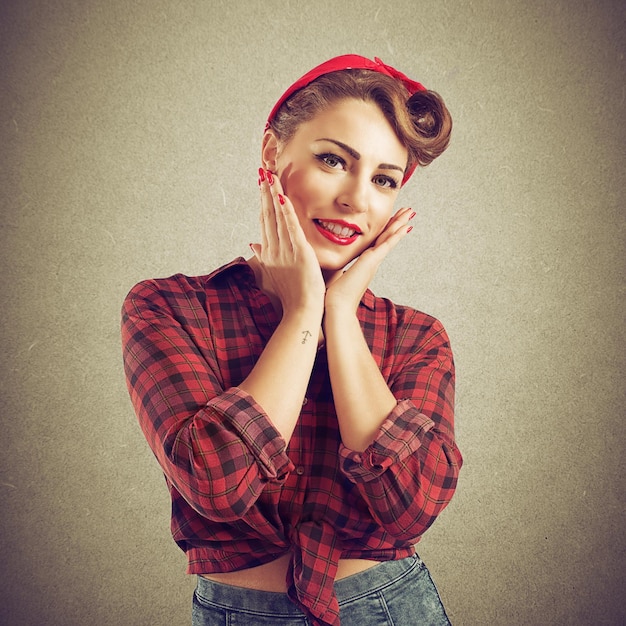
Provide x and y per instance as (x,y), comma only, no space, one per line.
(305,426)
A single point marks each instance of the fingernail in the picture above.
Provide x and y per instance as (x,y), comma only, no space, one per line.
(281,199)
(409,229)
(261,175)
(412,215)
(270,178)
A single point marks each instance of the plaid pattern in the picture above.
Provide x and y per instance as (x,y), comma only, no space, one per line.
(240,496)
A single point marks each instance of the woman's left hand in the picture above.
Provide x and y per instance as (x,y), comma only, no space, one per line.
(348,288)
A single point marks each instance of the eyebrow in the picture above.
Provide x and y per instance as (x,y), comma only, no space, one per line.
(355,155)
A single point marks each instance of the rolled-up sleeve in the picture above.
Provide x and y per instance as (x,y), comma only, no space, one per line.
(216,446)
(409,473)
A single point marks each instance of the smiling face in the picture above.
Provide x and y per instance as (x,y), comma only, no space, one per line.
(342,171)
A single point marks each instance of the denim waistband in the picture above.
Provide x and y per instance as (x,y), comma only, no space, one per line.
(371,580)
(375,579)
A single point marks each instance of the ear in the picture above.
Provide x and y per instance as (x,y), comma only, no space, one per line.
(269,151)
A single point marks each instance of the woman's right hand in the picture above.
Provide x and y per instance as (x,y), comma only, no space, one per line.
(289,267)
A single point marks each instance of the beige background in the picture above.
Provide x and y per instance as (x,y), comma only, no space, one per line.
(130,138)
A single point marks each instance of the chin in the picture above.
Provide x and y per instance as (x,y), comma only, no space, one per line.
(330,266)
(330,261)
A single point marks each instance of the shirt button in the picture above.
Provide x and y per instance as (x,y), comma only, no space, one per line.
(304,402)
(299,470)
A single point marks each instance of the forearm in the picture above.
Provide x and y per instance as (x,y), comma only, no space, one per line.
(409,477)
(279,380)
(362,397)
(214,444)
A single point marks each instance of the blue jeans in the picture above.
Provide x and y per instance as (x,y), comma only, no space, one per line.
(393,593)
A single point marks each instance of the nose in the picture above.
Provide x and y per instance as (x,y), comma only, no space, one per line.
(354,195)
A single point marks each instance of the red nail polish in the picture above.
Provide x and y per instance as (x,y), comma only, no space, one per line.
(270,178)
(261,174)
(409,229)
(281,198)
(412,215)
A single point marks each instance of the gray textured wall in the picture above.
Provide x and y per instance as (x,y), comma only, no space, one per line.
(130,138)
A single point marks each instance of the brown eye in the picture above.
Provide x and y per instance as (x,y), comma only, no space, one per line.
(331,160)
(385,181)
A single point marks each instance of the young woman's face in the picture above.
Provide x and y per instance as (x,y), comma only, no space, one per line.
(342,171)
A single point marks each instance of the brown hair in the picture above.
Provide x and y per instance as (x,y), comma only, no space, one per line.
(421,121)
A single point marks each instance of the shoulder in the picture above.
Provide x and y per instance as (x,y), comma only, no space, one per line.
(181,290)
(407,325)
(388,312)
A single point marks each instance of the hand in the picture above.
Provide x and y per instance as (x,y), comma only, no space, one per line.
(346,291)
(289,267)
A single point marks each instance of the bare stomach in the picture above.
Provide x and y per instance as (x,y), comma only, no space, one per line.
(271,576)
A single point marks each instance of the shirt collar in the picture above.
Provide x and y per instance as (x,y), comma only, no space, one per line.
(369,300)
(238,264)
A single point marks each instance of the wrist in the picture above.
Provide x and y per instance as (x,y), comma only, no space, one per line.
(340,309)
(339,317)
(341,303)
(310,313)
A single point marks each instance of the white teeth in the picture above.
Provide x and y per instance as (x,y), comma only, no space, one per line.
(336,229)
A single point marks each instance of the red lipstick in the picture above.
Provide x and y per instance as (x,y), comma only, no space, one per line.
(338,231)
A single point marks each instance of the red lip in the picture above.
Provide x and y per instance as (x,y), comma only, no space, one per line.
(344,224)
(342,241)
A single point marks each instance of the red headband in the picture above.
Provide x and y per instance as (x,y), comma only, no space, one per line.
(349,62)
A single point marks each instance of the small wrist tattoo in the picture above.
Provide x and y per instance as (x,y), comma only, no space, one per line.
(306,334)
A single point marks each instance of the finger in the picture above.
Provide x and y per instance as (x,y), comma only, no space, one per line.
(292,229)
(394,232)
(284,222)
(256,250)
(276,235)
(400,219)
(269,238)
(288,225)
(392,239)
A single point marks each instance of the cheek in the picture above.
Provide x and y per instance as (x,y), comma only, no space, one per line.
(382,218)
(303,189)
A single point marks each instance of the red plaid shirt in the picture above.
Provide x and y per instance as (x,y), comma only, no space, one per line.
(241,497)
